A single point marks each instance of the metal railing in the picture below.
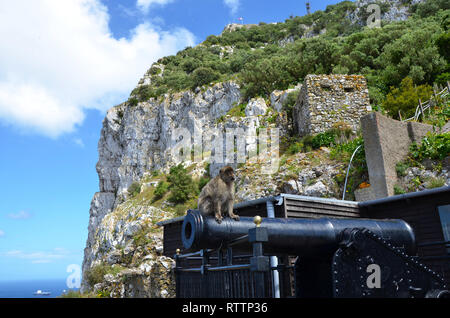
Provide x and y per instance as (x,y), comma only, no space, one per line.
(422,107)
(221,274)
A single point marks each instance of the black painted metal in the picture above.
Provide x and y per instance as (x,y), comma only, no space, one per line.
(305,237)
(400,275)
(251,279)
(334,256)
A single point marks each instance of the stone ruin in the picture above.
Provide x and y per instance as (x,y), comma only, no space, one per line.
(328,99)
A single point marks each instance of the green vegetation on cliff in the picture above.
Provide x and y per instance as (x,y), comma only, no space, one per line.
(267,57)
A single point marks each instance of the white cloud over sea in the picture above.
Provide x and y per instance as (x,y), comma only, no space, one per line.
(59,58)
(39,257)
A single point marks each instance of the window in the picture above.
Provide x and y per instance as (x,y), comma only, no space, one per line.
(444,214)
(348,89)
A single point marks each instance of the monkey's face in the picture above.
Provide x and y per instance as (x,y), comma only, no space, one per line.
(227,174)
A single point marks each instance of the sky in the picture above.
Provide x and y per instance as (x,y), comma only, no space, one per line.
(62,65)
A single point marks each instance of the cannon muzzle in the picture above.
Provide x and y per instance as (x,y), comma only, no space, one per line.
(303,237)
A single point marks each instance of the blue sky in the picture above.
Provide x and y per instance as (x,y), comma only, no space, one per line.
(62,65)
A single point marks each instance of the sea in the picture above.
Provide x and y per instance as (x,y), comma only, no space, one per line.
(27,288)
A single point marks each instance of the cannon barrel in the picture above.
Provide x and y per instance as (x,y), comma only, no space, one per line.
(307,237)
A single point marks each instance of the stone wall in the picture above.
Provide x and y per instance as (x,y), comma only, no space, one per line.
(387,142)
(327,99)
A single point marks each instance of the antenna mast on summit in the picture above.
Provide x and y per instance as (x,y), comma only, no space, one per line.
(308,7)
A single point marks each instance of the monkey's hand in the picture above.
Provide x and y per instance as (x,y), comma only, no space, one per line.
(218,218)
(235,217)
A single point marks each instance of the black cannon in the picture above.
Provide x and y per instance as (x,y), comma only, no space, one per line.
(334,257)
(304,237)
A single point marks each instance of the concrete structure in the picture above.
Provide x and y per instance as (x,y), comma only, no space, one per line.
(328,99)
(387,142)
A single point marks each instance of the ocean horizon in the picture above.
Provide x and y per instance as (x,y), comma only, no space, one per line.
(27,288)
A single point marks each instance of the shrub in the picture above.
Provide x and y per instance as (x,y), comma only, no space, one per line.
(133,101)
(141,238)
(294,148)
(202,76)
(406,98)
(160,190)
(398,190)
(443,43)
(238,111)
(443,78)
(324,139)
(433,146)
(289,102)
(202,182)
(344,151)
(181,184)
(134,189)
(400,168)
(96,273)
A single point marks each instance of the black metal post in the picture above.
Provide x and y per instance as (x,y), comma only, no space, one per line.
(259,264)
(204,271)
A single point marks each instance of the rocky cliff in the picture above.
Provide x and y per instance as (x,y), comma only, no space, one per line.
(136,140)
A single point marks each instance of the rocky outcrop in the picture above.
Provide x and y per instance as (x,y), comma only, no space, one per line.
(298,175)
(391,10)
(136,140)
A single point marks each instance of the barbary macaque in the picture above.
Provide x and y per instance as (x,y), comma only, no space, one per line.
(217,196)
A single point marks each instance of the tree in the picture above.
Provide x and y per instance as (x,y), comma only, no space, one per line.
(202,76)
(160,190)
(181,184)
(406,98)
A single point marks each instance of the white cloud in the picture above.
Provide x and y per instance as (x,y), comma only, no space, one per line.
(79,142)
(144,5)
(233,5)
(59,58)
(39,257)
(2,233)
(22,215)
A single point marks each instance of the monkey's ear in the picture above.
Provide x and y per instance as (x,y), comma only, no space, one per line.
(222,172)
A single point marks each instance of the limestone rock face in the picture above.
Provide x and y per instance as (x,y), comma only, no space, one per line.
(256,106)
(391,10)
(133,142)
(136,140)
(278,98)
(141,138)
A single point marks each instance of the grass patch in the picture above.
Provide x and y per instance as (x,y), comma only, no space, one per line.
(435,182)
(134,189)
(141,237)
(96,273)
(398,190)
